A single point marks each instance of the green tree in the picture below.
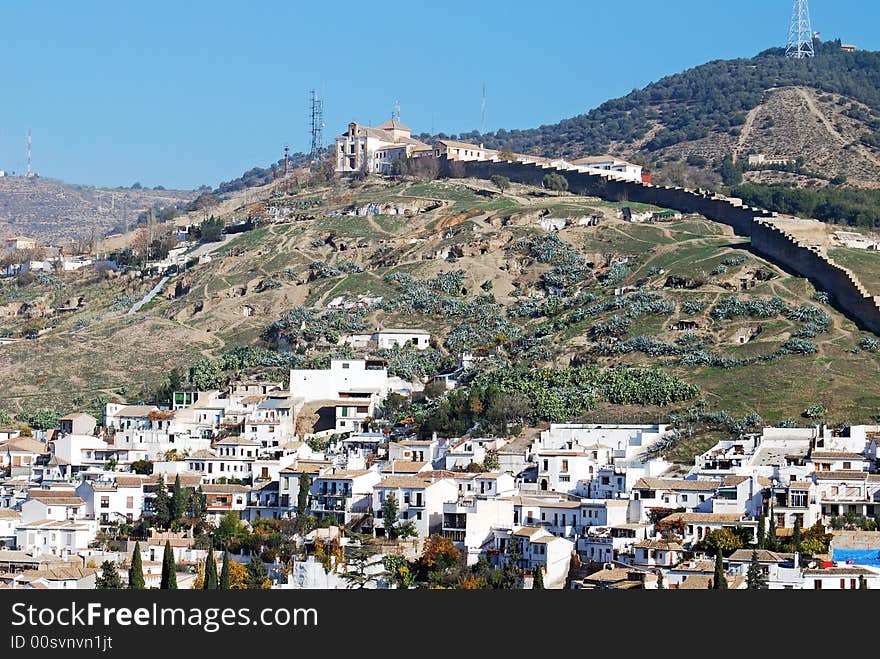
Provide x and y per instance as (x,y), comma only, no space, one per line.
(359,560)
(178,500)
(162,506)
(722,540)
(796,535)
(510,573)
(771,542)
(210,570)
(169,572)
(143,467)
(500,182)
(719,581)
(136,571)
(109,578)
(762,522)
(538,581)
(302,501)
(491,462)
(661,585)
(555,182)
(257,575)
(755,578)
(224,572)
(390,511)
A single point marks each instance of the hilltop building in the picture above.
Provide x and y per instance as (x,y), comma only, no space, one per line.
(375,149)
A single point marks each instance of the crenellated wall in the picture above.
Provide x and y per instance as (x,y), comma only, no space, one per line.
(767,238)
(809,261)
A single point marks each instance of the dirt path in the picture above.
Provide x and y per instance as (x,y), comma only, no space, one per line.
(829,126)
(746,131)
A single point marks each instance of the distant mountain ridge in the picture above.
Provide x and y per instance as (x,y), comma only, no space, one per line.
(704,112)
(54,212)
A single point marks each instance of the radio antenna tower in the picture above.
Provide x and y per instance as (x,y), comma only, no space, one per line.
(800,34)
(396,114)
(29,153)
(317,127)
(483,112)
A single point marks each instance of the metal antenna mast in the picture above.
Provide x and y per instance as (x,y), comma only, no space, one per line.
(483,112)
(396,114)
(29,153)
(800,34)
(317,127)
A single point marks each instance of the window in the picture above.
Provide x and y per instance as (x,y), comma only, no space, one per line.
(129,502)
(847,465)
(105,502)
(817,584)
(345,365)
(565,465)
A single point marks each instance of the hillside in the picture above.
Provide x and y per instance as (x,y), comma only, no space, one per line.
(474,267)
(826,110)
(54,212)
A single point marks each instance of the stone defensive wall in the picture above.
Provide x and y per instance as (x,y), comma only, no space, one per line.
(767,239)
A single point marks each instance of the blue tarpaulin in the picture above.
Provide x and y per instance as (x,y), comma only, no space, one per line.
(857,556)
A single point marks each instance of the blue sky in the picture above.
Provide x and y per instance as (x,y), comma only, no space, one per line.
(187,93)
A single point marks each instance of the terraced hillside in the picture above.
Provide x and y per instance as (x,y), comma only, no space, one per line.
(54,213)
(522,277)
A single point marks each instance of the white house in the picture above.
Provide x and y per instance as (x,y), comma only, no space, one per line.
(344,494)
(669,494)
(555,514)
(54,522)
(128,417)
(419,450)
(694,527)
(389,338)
(560,470)
(121,500)
(542,550)
(19,455)
(471,524)
(212,467)
(9,521)
(610,166)
(343,378)
(603,512)
(419,501)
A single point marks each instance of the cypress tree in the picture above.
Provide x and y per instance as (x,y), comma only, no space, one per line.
(302,502)
(256,573)
(169,574)
(719,581)
(136,571)
(661,585)
(538,581)
(762,521)
(224,572)
(755,576)
(796,535)
(162,506)
(770,542)
(178,500)
(210,571)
